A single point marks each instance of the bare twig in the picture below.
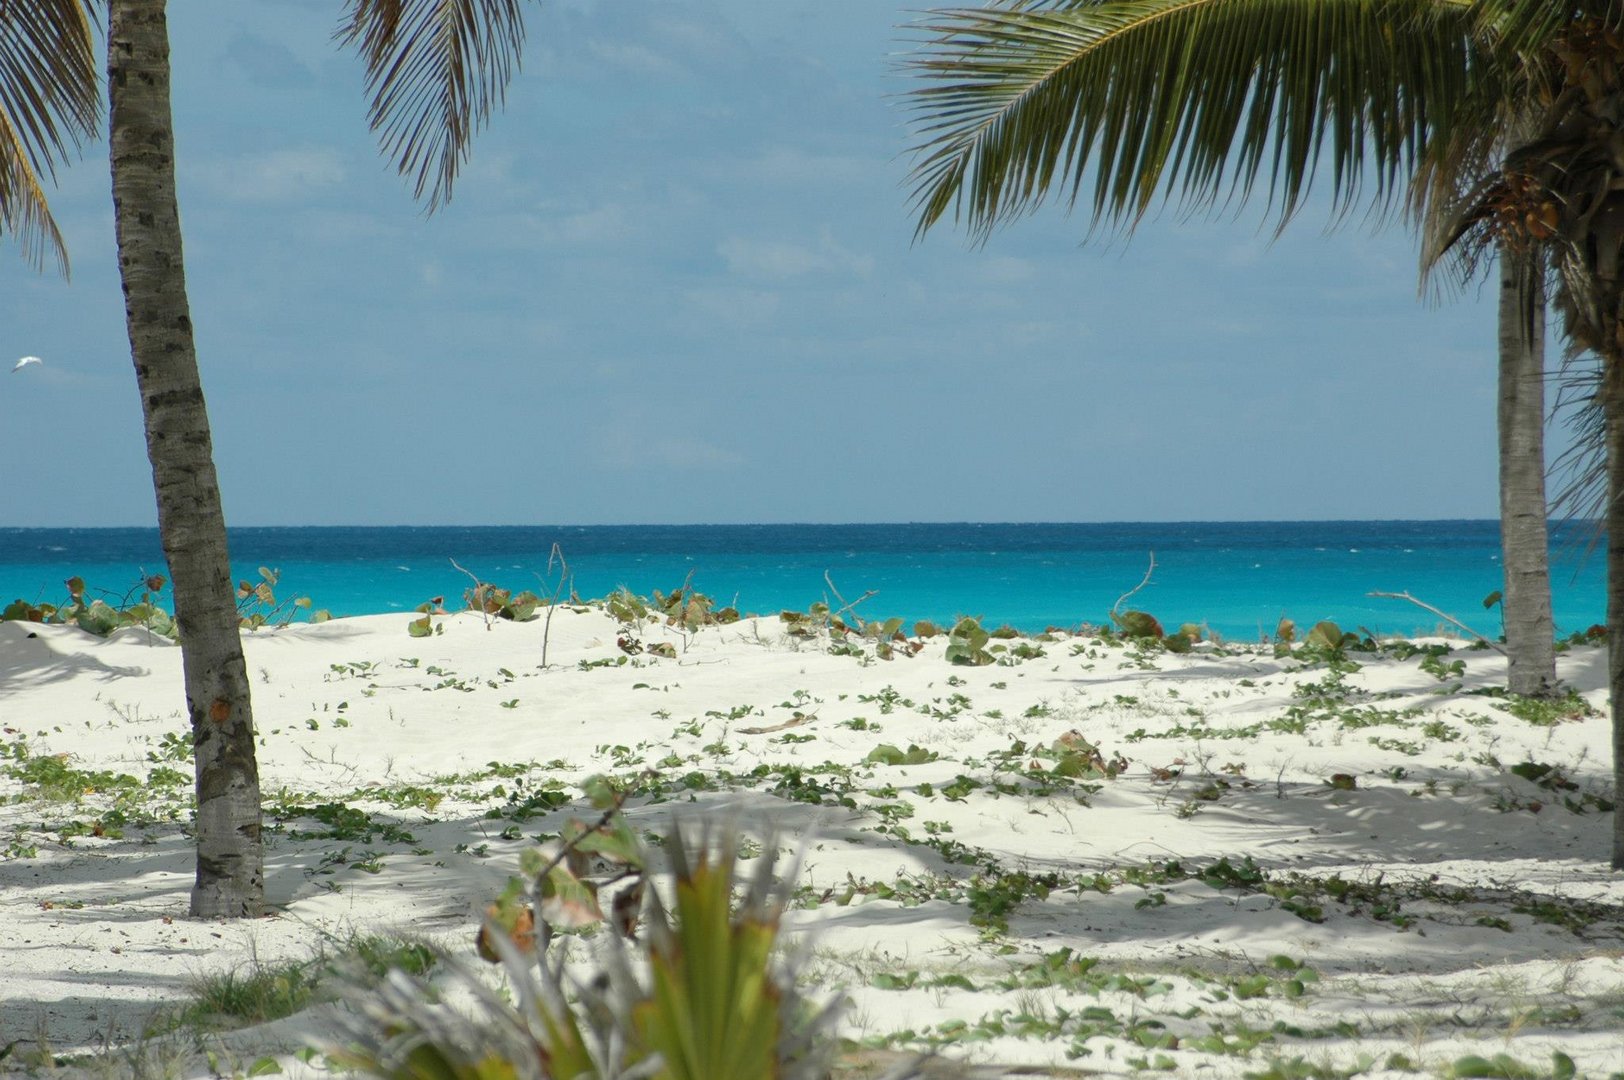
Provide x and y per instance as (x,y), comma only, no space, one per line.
(556,556)
(1149,570)
(544,929)
(478,594)
(845,607)
(795,721)
(1447,618)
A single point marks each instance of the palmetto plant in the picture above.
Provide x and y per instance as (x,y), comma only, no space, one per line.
(1496,122)
(693,990)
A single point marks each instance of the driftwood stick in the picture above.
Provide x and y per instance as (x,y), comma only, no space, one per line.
(845,607)
(1149,570)
(1496,646)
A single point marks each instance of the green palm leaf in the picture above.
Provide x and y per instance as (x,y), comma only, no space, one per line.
(435,70)
(1197,101)
(50,102)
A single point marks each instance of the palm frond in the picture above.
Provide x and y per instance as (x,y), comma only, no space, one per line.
(1527,26)
(1195,101)
(50,103)
(1579,473)
(435,69)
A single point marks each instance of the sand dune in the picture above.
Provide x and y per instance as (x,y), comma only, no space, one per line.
(1390,829)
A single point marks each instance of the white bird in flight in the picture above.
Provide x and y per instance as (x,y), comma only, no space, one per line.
(24,362)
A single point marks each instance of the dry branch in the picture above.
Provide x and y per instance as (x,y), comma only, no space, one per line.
(1496,646)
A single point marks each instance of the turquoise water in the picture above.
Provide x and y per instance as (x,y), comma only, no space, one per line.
(1238,577)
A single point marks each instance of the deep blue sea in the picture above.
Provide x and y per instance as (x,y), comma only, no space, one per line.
(1237,577)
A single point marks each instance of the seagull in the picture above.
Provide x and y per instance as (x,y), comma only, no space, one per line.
(24,362)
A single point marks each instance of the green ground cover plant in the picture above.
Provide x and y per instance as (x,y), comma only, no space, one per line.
(1044,751)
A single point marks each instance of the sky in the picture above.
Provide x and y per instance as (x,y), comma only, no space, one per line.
(678,283)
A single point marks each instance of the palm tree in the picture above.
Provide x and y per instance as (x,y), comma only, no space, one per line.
(1496,115)
(50,102)
(436,69)
(1007,121)
(1525,546)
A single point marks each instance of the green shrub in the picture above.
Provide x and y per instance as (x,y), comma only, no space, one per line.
(696,995)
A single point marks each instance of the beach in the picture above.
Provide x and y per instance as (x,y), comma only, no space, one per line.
(1085,853)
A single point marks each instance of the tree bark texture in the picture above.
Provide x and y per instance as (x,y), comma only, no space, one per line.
(1524,539)
(230,875)
(1613,403)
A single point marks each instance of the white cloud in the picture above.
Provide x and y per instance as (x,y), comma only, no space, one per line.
(638,59)
(1004,270)
(794,165)
(273,175)
(601,224)
(734,306)
(750,257)
(693,454)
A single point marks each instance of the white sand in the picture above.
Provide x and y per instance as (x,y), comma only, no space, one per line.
(94,937)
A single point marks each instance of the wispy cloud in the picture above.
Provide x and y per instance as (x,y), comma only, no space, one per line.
(796,166)
(267,63)
(735,306)
(273,175)
(1003,270)
(637,59)
(600,224)
(778,259)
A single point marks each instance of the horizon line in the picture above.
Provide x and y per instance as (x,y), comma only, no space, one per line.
(802,524)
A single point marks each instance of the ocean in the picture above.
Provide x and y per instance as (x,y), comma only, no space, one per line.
(1239,578)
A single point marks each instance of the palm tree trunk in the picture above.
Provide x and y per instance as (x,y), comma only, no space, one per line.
(1613,412)
(230,877)
(1524,541)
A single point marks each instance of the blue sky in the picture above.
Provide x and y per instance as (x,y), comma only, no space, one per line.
(678,283)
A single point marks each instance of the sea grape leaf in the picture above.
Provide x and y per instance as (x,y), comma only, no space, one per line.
(614,841)
(512,916)
(890,754)
(567,901)
(98,618)
(885,754)
(19,611)
(521,608)
(1326,635)
(967,643)
(1139,624)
